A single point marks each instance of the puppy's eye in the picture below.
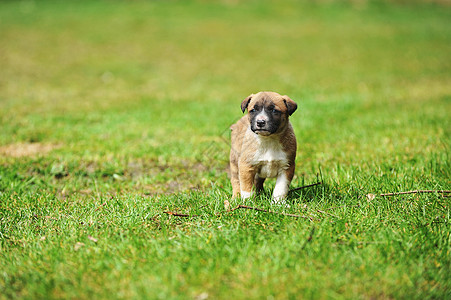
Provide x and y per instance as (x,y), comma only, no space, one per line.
(252,110)
(275,111)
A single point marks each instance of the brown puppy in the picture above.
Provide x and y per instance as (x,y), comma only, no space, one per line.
(263,145)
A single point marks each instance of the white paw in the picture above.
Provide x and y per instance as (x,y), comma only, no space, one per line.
(245,195)
(280,201)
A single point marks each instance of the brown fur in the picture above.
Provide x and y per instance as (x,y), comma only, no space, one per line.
(245,143)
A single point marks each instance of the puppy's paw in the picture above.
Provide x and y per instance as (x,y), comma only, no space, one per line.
(280,201)
(246,195)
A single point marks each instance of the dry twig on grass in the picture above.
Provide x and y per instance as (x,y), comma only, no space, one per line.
(175,214)
(271,212)
(101,205)
(329,214)
(309,239)
(444,193)
(416,192)
(305,186)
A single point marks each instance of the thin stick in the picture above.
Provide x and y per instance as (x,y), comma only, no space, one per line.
(239,207)
(179,214)
(252,208)
(308,240)
(415,192)
(305,186)
(333,207)
(323,212)
(101,205)
(271,212)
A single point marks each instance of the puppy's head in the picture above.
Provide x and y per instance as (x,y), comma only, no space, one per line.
(268,112)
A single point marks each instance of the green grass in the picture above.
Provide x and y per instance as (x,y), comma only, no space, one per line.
(113,112)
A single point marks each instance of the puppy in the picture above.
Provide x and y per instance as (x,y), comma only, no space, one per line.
(263,146)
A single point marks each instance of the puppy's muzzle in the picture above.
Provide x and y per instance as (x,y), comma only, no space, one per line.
(261,123)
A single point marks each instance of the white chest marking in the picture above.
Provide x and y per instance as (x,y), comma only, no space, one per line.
(269,158)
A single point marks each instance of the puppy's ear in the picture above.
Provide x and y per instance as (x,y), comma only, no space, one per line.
(290,104)
(245,102)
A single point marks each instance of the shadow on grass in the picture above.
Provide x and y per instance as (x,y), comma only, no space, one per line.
(310,193)
(326,192)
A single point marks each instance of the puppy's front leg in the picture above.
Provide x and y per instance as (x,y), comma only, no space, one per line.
(247,176)
(235,178)
(282,186)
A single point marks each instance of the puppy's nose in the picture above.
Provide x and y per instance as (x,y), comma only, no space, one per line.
(261,123)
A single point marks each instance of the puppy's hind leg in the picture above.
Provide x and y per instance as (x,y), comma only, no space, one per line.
(258,183)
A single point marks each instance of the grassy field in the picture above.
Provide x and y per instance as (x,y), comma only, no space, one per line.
(115,112)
